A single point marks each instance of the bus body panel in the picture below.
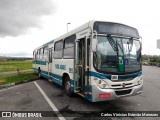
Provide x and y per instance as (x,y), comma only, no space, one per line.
(55,69)
(110,94)
(115,89)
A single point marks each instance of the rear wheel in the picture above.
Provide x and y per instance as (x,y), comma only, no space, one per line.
(39,73)
(68,86)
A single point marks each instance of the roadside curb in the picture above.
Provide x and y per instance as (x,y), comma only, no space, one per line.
(17,83)
(14,72)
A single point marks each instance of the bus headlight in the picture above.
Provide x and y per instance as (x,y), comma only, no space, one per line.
(139,82)
(101,83)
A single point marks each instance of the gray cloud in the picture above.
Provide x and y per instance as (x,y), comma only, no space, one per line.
(17,16)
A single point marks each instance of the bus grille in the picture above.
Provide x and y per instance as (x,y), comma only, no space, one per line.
(120,85)
(123,92)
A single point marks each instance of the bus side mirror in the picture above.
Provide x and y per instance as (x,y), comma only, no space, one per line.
(94,44)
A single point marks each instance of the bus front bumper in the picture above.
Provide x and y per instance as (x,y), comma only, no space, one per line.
(99,94)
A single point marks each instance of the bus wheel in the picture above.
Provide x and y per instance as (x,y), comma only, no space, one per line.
(68,87)
(39,73)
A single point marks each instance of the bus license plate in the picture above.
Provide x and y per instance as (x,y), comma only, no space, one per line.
(104,95)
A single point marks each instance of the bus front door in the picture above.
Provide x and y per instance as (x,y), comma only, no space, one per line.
(79,66)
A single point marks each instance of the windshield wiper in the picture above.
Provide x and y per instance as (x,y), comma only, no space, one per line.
(112,42)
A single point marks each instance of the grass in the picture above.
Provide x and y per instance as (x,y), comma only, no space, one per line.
(7,66)
(11,78)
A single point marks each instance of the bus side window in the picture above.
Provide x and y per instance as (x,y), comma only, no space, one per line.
(69,47)
(41,53)
(33,55)
(45,53)
(58,49)
(37,54)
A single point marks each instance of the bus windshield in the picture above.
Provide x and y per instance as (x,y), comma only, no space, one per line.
(106,58)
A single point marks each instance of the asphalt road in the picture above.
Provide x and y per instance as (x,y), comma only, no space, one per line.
(27,97)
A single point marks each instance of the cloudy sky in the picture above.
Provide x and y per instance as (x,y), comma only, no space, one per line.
(27,24)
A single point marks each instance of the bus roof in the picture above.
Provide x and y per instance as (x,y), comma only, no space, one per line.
(78,29)
(44,45)
(85,26)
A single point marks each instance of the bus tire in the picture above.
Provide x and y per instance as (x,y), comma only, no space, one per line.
(68,86)
(39,73)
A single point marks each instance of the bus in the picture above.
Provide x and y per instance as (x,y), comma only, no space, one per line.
(99,61)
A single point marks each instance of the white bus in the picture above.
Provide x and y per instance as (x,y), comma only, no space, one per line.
(98,60)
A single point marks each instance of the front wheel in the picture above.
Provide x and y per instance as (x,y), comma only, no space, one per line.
(68,87)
